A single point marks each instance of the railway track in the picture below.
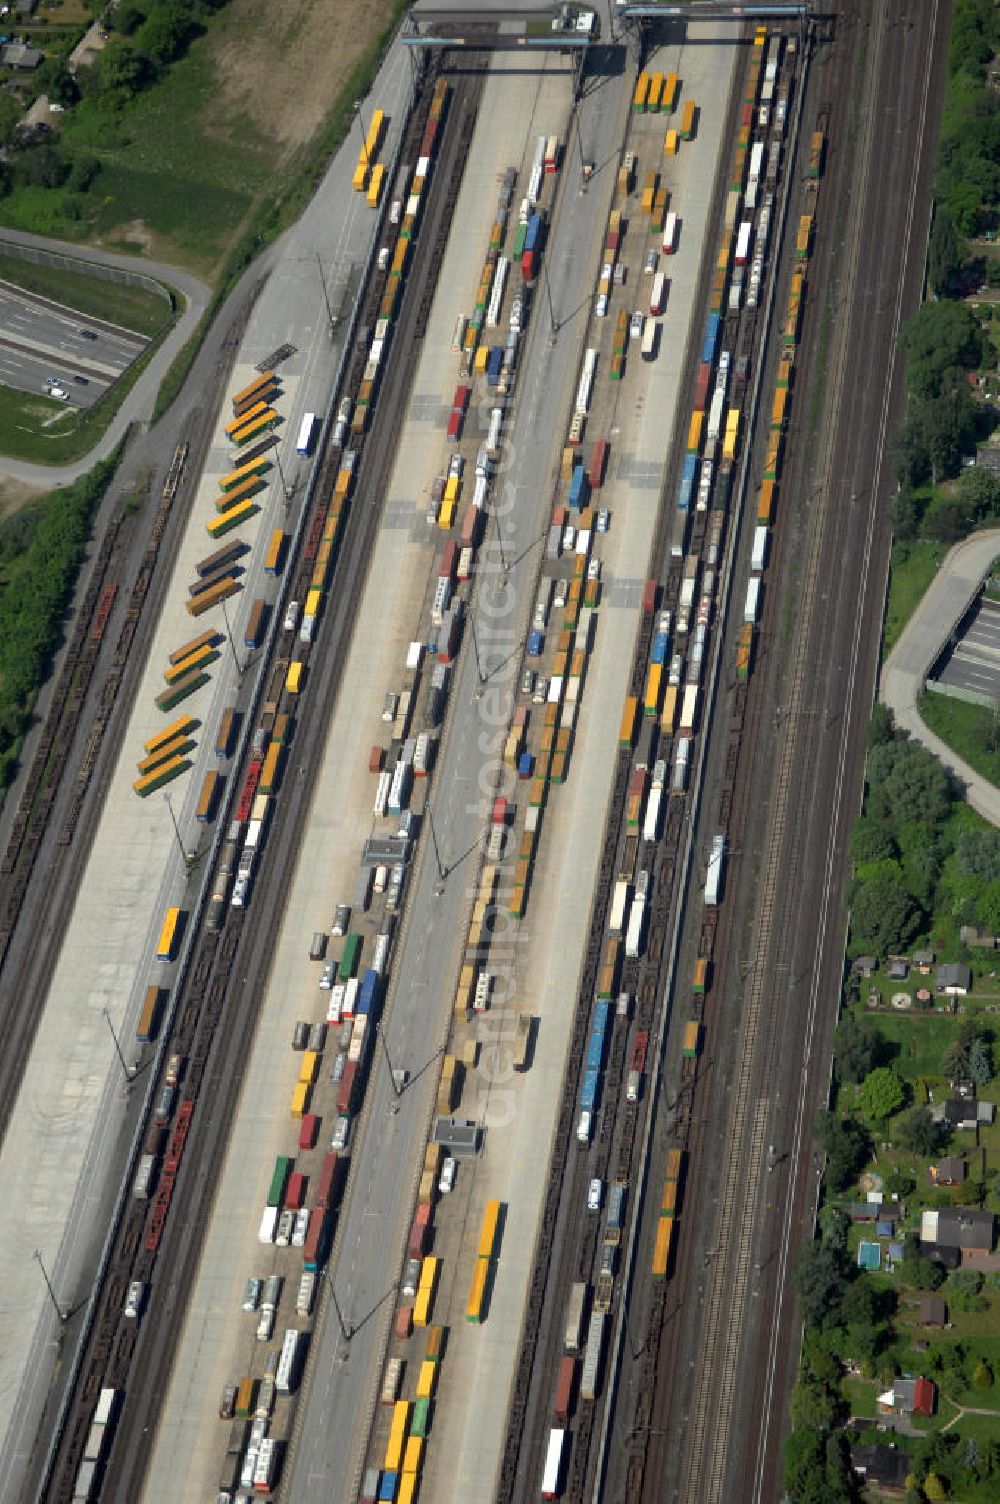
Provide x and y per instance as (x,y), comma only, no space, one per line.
(217,1012)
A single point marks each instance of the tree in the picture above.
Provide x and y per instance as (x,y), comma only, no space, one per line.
(884,916)
(918,1132)
(872,842)
(946,252)
(165,35)
(938,338)
(934,1487)
(10,114)
(54,79)
(982,1375)
(805,1457)
(858,1304)
(978,853)
(121,74)
(979,489)
(880,728)
(908,783)
(898,1183)
(820,1281)
(881,1094)
(845,1144)
(956,1060)
(856,1049)
(917,1270)
(907,506)
(813,1406)
(980,1062)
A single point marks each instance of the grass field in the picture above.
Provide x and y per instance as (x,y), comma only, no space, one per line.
(225,135)
(914,564)
(116,302)
(965,728)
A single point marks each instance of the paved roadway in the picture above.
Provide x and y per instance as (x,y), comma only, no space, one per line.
(44,341)
(730,1344)
(905,671)
(139,402)
(370,1239)
(71,1126)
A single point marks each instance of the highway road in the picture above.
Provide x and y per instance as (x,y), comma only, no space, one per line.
(139,402)
(43,342)
(332,1426)
(729,1343)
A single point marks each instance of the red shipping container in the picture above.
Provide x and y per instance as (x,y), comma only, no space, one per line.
(449,558)
(421,1226)
(613,240)
(746,115)
(499,815)
(559,515)
(316,1239)
(470,526)
(308,1129)
(296,1191)
(528,265)
(637,782)
(521,715)
(454,429)
(649,596)
(427,140)
(375,759)
(462,395)
(404,1322)
(326,1191)
(701,387)
(348,1085)
(565,1385)
(598,461)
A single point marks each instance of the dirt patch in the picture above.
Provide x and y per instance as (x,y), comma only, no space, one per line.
(290,61)
(14,495)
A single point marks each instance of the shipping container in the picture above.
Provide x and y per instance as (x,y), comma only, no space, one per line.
(149,1018)
(209,797)
(170,934)
(553,1469)
(575,1313)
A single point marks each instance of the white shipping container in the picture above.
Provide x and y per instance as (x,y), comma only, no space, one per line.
(414,655)
(553,1464)
(758,558)
(670,233)
(689,709)
(268,1225)
(679,772)
(651,825)
(756,160)
(350,997)
(635,935)
(716,862)
(442,598)
(496,296)
(106,1405)
(496,426)
(743,241)
(751,606)
(715,411)
(480,491)
(381,794)
(380,955)
(618,905)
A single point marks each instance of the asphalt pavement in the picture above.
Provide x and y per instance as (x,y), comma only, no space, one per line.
(47,347)
(904,675)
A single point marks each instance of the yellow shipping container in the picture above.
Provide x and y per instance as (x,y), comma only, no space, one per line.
(661,1252)
(293,679)
(300,1099)
(446,516)
(668,717)
(482,357)
(429,1272)
(654,677)
(422,1307)
(474,1308)
(375,186)
(407,1489)
(309,1066)
(400,1418)
(670,144)
(360,180)
(668,98)
(425,1380)
(414,1454)
(394,1452)
(488,1232)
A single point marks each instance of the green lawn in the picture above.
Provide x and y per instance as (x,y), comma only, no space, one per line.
(914,564)
(919,1040)
(966,728)
(860,1395)
(132,307)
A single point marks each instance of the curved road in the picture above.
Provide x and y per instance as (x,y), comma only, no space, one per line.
(138,404)
(949,596)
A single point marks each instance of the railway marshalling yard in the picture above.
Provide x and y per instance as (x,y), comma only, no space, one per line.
(546,975)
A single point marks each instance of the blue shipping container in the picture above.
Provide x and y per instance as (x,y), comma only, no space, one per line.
(368,992)
(536,642)
(387,1488)
(533,232)
(494,364)
(690,466)
(595,1052)
(524,765)
(588,1092)
(602,1011)
(578,488)
(684,494)
(660,644)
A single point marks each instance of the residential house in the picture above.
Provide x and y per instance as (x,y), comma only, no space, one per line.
(954,978)
(959,1113)
(883,1465)
(923,960)
(909,1397)
(16,55)
(933,1311)
(949,1170)
(964,1229)
(977,939)
(899,968)
(865,966)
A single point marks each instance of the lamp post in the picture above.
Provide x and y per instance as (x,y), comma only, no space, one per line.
(127,1070)
(63,1315)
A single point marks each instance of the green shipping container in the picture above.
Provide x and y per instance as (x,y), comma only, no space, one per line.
(180,691)
(522,231)
(279,1180)
(421,1421)
(349,960)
